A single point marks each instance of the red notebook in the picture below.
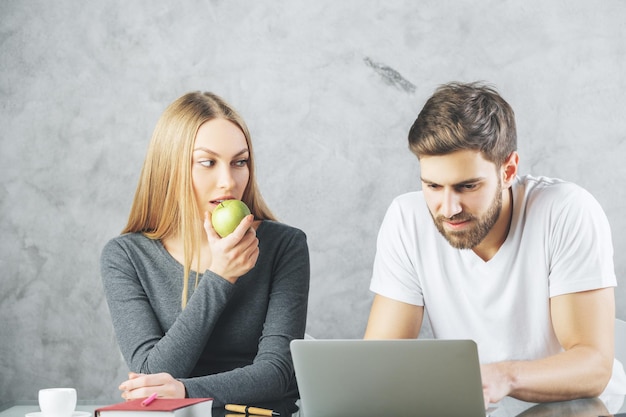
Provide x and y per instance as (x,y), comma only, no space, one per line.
(160,407)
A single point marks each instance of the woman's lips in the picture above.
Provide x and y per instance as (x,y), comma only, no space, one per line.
(220,199)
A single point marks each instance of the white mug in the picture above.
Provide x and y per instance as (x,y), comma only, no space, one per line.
(57,402)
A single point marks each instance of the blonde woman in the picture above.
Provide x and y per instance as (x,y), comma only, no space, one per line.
(196,315)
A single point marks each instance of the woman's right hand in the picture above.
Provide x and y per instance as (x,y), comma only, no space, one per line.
(234,255)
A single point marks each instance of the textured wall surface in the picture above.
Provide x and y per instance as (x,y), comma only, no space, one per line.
(329,90)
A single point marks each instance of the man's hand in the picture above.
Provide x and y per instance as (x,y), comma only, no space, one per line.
(496,381)
(144,385)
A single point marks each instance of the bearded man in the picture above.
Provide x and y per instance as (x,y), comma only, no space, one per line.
(522,265)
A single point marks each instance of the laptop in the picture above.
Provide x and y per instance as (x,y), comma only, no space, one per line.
(374,378)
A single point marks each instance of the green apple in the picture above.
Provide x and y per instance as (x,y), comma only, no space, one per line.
(227,216)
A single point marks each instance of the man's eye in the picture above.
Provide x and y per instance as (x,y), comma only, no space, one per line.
(206,163)
(468,186)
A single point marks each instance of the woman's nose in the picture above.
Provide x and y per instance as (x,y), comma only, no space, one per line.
(226,179)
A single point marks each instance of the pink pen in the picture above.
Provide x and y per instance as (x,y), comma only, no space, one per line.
(148,400)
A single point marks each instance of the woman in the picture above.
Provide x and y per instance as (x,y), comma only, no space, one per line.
(194,314)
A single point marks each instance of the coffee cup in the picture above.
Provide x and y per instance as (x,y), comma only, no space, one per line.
(57,402)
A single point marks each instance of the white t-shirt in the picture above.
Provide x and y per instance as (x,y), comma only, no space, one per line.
(559,242)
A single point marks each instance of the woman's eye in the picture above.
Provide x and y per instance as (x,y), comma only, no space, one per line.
(241,163)
(206,163)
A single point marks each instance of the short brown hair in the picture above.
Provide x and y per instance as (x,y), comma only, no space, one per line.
(465,116)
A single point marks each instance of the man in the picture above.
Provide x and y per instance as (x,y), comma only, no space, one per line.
(521,265)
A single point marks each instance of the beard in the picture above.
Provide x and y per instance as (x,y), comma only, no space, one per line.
(482,225)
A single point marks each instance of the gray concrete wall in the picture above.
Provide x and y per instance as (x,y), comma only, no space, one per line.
(329,90)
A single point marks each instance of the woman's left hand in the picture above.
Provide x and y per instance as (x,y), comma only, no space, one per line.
(144,385)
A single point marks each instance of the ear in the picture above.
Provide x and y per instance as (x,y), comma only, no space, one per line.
(509,169)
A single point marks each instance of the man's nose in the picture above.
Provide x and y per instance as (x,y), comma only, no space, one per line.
(450,204)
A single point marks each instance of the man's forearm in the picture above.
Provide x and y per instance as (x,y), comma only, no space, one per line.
(577,373)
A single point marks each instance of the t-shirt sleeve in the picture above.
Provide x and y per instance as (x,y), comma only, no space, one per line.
(394,273)
(581,250)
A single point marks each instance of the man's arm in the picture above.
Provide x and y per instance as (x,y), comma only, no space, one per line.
(391,319)
(584,325)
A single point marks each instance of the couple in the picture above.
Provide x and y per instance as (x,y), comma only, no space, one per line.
(522,265)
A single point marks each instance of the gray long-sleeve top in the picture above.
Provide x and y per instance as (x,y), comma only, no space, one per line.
(231,342)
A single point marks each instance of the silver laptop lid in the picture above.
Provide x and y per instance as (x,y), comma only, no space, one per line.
(373,378)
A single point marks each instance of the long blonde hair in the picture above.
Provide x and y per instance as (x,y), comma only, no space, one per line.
(165,204)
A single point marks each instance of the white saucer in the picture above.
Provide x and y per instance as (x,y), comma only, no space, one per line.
(74,414)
